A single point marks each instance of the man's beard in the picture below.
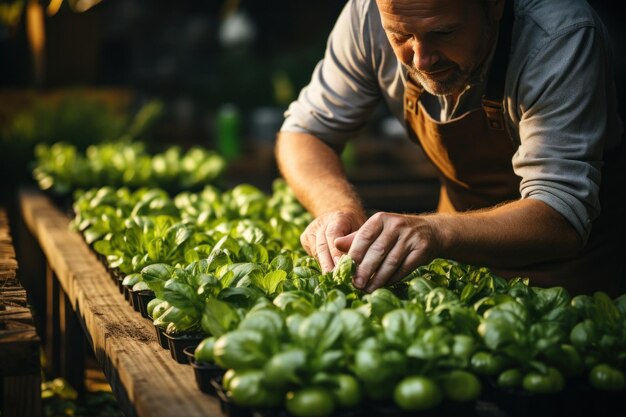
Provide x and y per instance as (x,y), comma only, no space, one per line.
(453,83)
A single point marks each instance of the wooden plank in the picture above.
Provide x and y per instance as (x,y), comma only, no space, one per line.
(32,271)
(19,343)
(146,380)
(20,369)
(8,263)
(22,396)
(72,347)
(52,344)
(13,294)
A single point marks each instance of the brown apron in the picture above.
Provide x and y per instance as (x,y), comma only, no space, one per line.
(473,157)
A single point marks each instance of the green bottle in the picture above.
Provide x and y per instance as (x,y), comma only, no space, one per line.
(228,141)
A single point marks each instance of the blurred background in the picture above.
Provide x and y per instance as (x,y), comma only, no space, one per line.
(216,73)
(79,70)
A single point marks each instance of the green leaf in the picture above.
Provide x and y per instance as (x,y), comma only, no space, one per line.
(328,360)
(131,279)
(240,350)
(373,363)
(620,304)
(335,301)
(355,327)
(434,343)
(271,283)
(319,332)
(548,299)
(218,317)
(241,297)
(420,287)
(292,302)
(282,262)
(268,322)
(401,326)
(284,367)
(305,272)
(227,243)
(103,247)
(175,315)
(607,309)
(92,234)
(182,296)
(382,301)
(252,252)
(344,270)
(468,292)
(231,274)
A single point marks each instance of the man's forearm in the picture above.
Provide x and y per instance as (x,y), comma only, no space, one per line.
(512,235)
(314,172)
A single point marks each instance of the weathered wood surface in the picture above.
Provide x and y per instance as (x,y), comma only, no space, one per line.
(144,377)
(8,264)
(19,342)
(22,396)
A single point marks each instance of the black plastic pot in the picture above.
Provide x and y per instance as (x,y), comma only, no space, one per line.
(271,412)
(179,342)
(519,402)
(133,299)
(458,409)
(608,404)
(282,412)
(190,353)
(144,297)
(163,341)
(577,399)
(115,274)
(101,258)
(388,408)
(112,274)
(227,405)
(204,372)
(120,287)
(126,292)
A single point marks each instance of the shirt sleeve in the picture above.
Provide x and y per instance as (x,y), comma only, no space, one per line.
(563,125)
(343,91)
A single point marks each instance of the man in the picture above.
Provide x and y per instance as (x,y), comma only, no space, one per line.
(514,103)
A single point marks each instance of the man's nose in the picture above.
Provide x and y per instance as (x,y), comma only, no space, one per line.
(424,57)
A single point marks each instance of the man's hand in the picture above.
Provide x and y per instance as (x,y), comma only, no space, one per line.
(319,237)
(387,247)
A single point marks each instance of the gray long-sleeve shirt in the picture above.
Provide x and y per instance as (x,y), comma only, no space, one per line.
(559,97)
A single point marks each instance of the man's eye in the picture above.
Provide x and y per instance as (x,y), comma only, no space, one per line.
(444,33)
(398,37)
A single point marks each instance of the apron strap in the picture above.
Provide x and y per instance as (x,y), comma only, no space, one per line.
(494,90)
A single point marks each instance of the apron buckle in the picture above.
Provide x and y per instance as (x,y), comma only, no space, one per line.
(493,111)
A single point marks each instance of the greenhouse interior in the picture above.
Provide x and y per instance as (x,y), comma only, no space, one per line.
(347,208)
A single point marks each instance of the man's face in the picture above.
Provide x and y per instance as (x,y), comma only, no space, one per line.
(442,42)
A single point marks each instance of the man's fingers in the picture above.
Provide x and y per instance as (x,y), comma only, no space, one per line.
(396,266)
(307,240)
(322,252)
(319,238)
(386,268)
(343,243)
(373,261)
(337,229)
(368,250)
